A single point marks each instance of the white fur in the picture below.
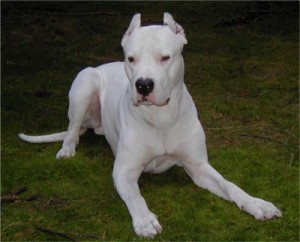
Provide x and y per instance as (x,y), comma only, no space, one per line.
(151,133)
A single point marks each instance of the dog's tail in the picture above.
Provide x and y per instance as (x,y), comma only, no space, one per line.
(44,138)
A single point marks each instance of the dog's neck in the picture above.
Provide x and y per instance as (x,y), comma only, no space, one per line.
(161,116)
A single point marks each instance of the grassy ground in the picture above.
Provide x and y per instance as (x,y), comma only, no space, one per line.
(242,69)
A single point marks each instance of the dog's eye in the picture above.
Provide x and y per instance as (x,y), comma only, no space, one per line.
(165,58)
(130,59)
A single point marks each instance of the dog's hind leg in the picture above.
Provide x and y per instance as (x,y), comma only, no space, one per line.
(84,109)
(207,177)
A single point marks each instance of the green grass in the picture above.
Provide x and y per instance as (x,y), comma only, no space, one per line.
(244,81)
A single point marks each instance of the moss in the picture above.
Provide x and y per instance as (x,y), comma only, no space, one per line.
(243,78)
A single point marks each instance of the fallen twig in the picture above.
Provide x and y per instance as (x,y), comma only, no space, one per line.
(54,233)
(8,198)
(32,198)
(68,235)
(291,160)
(20,191)
(12,197)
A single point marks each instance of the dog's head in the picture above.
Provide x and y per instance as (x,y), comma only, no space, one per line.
(153,60)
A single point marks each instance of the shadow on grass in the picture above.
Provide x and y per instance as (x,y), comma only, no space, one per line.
(242,69)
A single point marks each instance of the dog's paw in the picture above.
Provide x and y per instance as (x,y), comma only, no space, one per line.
(260,209)
(65,153)
(147,226)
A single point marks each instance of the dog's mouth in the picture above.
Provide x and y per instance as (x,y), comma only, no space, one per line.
(146,102)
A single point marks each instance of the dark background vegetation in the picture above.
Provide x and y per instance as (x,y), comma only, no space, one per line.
(242,69)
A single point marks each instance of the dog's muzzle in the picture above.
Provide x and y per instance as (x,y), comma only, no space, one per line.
(145,96)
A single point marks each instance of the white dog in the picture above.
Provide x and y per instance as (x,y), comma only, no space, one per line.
(148,117)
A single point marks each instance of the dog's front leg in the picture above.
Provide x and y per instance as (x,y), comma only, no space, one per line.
(126,173)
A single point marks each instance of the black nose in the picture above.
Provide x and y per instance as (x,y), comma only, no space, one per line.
(144,86)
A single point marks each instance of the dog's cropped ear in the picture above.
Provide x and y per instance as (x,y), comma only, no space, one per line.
(175,27)
(134,24)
